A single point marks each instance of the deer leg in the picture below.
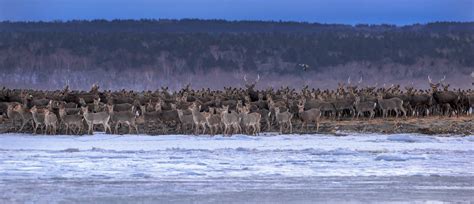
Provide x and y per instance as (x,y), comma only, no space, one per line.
(291,127)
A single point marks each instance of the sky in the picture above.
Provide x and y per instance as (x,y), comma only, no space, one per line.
(400,12)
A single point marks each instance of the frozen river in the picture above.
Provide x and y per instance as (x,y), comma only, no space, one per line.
(266,169)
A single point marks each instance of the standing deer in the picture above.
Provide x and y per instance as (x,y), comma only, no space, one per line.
(96,119)
(75,120)
(50,121)
(283,118)
(186,120)
(198,118)
(362,107)
(230,120)
(250,120)
(308,116)
(387,105)
(38,118)
(123,117)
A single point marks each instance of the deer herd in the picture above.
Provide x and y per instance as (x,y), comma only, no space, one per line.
(229,111)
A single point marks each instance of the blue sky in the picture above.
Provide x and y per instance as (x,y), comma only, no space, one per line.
(399,12)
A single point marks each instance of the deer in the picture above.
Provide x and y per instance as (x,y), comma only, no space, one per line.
(230,120)
(386,105)
(26,116)
(308,116)
(364,106)
(250,120)
(213,121)
(198,118)
(38,118)
(50,121)
(70,120)
(283,118)
(186,120)
(123,117)
(12,114)
(443,97)
(96,119)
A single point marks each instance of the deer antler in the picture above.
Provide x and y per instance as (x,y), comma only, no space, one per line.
(245,78)
(349,80)
(429,79)
(360,80)
(444,78)
(258,78)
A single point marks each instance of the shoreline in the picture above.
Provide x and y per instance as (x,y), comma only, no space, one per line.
(434,125)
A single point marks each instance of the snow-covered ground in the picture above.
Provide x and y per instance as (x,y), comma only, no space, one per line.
(184,168)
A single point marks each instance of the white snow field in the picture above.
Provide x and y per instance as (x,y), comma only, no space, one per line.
(357,168)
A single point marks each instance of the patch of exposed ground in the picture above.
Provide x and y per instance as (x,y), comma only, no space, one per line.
(428,125)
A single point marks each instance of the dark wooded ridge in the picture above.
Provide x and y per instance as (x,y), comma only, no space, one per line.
(148,53)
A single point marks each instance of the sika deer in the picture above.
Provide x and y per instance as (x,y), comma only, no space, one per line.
(230,120)
(70,120)
(213,121)
(123,117)
(283,118)
(50,121)
(185,120)
(25,116)
(308,116)
(251,120)
(198,118)
(390,104)
(38,118)
(365,106)
(95,119)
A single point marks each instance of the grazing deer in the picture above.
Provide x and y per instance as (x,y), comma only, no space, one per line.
(250,120)
(50,121)
(186,120)
(283,118)
(308,116)
(387,105)
(362,107)
(198,118)
(38,118)
(96,119)
(123,117)
(75,120)
(230,120)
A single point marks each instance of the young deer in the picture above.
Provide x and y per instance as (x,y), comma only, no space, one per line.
(198,118)
(123,117)
(362,107)
(309,116)
(283,118)
(70,120)
(390,104)
(96,119)
(50,121)
(250,120)
(230,120)
(38,118)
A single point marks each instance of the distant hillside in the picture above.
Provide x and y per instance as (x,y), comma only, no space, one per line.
(147,54)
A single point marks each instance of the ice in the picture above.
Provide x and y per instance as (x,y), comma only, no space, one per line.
(107,159)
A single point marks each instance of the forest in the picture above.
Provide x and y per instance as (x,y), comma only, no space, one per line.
(147,54)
